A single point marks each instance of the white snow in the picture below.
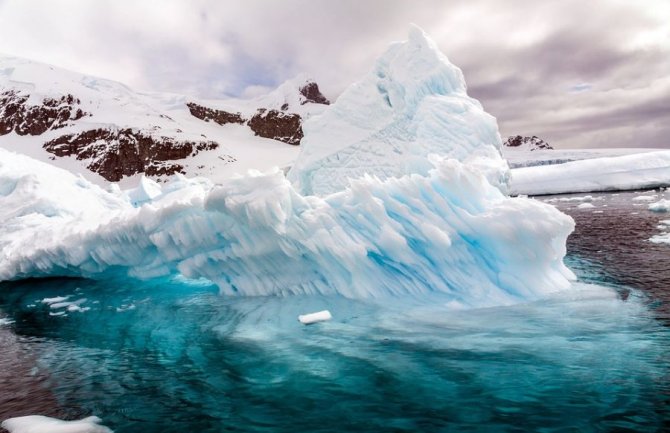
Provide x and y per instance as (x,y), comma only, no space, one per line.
(287,93)
(43,424)
(634,171)
(319,316)
(413,104)
(410,201)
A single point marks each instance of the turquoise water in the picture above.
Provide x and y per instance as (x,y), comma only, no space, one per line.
(175,357)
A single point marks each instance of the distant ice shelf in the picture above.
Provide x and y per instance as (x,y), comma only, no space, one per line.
(609,173)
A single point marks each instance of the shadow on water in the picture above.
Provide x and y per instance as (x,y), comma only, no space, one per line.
(24,387)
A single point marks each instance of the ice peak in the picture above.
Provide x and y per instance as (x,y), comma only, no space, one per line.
(412,104)
(417,36)
(411,70)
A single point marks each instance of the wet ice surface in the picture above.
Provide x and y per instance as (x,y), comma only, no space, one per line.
(174,357)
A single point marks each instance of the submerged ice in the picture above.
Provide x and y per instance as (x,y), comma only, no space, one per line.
(399,190)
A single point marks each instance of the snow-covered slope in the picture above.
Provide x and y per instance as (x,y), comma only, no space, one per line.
(108,132)
(436,226)
(413,103)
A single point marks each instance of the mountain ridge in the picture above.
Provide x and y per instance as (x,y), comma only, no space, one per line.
(93,125)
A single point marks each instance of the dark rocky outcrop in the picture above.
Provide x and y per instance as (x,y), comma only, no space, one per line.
(17,115)
(312,94)
(277,125)
(273,124)
(533,143)
(115,153)
(219,116)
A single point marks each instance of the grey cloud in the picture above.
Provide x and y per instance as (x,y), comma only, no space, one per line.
(520,57)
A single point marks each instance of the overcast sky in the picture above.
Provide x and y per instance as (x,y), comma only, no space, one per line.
(578,73)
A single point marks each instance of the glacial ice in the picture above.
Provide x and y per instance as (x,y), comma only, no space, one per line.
(616,173)
(449,232)
(399,190)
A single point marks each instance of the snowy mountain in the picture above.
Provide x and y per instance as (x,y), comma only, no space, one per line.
(518,142)
(109,132)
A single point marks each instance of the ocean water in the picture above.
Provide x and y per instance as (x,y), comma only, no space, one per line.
(174,356)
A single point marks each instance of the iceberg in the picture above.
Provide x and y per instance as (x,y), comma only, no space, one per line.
(399,190)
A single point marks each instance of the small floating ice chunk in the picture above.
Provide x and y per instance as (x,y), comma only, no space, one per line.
(645,198)
(586,198)
(585,206)
(4,321)
(44,424)
(71,306)
(55,300)
(319,316)
(660,206)
(125,307)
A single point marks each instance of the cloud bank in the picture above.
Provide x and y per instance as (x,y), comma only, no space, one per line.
(578,74)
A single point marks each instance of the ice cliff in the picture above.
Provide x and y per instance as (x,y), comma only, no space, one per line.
(399,190)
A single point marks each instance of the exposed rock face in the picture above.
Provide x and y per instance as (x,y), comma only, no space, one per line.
(530,143)
(273,124)
(312,94)
(17,115)
(280,125)
(219,116)
(125,152)
(277,125)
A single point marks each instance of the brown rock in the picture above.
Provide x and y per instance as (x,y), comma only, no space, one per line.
(312,94)
(277,125)
(219,116)
(116,153)
(24,119)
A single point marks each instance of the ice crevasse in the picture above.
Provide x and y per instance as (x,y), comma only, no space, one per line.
(400,189)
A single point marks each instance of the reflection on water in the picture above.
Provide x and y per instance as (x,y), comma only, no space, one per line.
(176,357)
